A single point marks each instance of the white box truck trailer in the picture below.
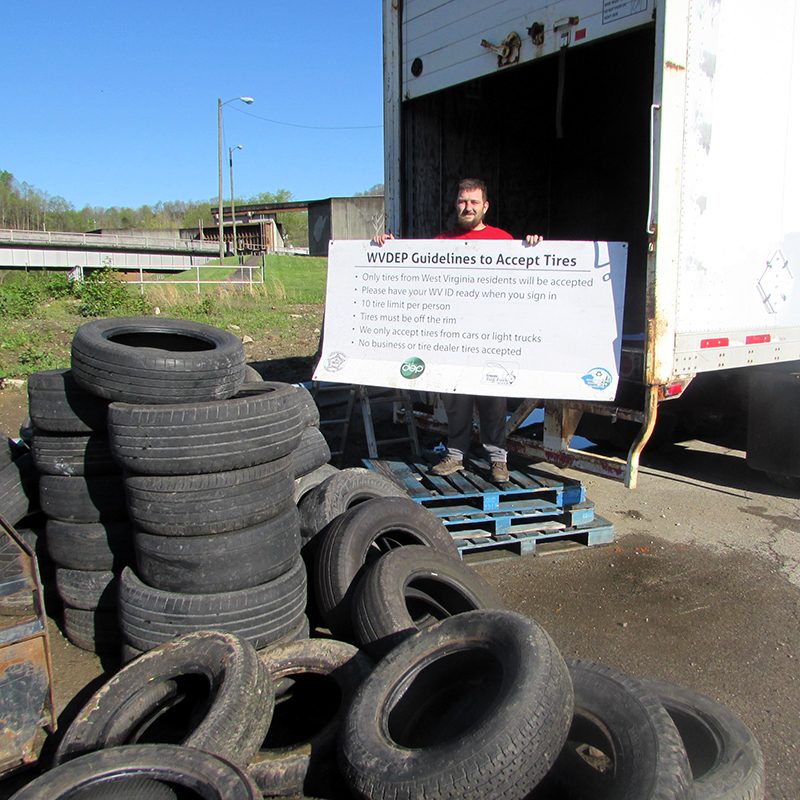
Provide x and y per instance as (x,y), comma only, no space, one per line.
(673,126)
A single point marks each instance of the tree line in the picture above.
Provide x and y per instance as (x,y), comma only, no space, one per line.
(24,207)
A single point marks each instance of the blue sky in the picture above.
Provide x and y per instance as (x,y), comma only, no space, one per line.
(115,103)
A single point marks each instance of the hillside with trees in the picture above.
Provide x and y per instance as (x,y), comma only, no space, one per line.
(24,207)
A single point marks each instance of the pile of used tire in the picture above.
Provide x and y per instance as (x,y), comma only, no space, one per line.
(417,681)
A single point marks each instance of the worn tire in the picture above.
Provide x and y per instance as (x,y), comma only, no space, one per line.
(304,484)
(19,489)
(338,493)
(476,706)
(57,403)
(143,772)
(220,562)
(229,690)
(75,498)
(156,360)
(196,505)
(618,716)
(360,536)
(76,454)
(260,423)
(309,409)
(88,589)
(95,630)
(90,545)
(298,753)
(261,614)
(410,588)
(726,759)
(312,452)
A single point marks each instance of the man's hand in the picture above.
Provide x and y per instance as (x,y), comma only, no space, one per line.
(382,238)
(533,238)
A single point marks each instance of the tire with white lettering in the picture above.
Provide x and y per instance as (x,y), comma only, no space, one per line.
(622,743)
(342,491)
(57,403)
(195,505)
(411,588)
(78,498)
(476,706)
(220,699)
(321,676)
(220,562)
(19,489)
(726,759)
(359,537)
(76,454)
(90,545)
(304,484)
(312,452)
(143,772)
(260,423)
(156,360)
(261,614)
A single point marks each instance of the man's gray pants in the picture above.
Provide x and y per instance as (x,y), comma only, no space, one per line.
(491,420)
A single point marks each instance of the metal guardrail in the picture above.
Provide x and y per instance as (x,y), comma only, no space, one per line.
(96,241)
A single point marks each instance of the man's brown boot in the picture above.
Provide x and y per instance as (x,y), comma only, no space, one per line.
(500,472)
(447,466)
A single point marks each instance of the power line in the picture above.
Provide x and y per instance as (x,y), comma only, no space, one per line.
(309,127)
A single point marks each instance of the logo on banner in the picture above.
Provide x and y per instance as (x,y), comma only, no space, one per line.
(597,378)
(335,361)
(412,368)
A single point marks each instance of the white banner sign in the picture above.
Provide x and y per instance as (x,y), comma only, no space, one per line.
(476,317)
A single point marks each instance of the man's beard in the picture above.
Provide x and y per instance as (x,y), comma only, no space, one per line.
(470,223)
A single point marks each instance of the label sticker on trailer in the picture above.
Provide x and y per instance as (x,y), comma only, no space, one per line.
(619,9)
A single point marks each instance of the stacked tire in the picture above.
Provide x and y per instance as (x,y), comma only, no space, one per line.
(81,493)
(209,489)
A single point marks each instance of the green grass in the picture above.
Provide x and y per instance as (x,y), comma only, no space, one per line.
(282,316)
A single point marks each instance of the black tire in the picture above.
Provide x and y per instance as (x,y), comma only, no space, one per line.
(90,545)
(338,493)
(725,757)
(622,743)
(77,454)
(95,630)
(10,451)
(262,614)
(143,772)
(298,753)
(86,589)
(259,424)
(312,452)
(360,536)
(196,505)
(96,498)
(477,706)
(155,360)
(57,403)
(19,489)
(220,562)
(411,588)
(304,484)
(226,698)
(309,409)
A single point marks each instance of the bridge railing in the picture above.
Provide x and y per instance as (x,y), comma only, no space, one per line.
(99,241)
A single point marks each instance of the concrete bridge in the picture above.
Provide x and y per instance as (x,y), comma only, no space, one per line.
(55,250)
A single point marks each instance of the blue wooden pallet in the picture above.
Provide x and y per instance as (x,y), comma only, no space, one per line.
(471,487)
(527,519)
(485,549)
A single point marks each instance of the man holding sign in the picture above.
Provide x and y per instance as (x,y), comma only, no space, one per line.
(471,207)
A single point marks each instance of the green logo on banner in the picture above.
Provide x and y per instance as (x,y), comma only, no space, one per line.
(412,368)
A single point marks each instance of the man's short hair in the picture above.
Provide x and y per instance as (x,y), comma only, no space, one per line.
(470,184)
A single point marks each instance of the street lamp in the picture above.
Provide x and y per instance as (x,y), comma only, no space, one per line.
(233,201)
(247,100)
